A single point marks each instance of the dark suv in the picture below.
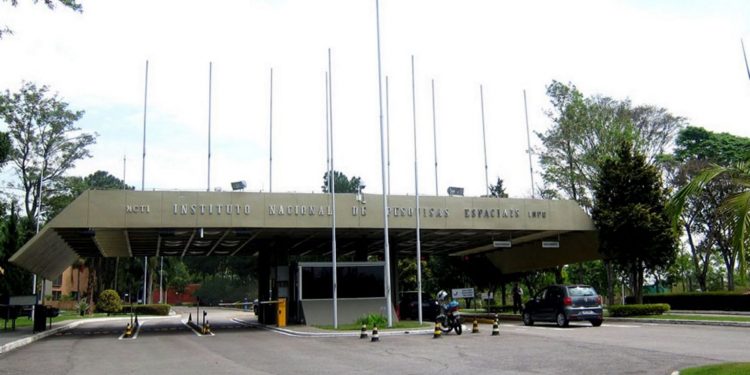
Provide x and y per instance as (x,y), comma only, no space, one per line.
(408,307)
(563,303)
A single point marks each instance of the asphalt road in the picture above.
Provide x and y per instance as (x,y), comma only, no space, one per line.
(167,346)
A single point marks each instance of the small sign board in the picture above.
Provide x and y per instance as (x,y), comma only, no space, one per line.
(22,300)
(487,295)
(462,293)
(550,244)
(501,243)
(456,191)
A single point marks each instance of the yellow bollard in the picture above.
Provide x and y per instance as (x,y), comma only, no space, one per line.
(438,332)
(475,327)
(375,337)
(495,328)
(363,332)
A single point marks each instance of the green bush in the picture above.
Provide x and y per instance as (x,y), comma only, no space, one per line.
(638,310)
(724,301)
(372,320)
(109,302)
(82,307)
(153,309)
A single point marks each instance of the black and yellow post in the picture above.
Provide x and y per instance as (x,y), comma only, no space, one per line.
(363,332)
(375,337)
(475,327)
(128,330)
(495,328)
(438,332)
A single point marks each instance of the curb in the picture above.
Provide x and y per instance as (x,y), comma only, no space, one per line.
(38,336)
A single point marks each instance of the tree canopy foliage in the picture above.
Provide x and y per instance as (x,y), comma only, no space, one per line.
(46,142)
(341,183)
(708,225)
(630,213)
(51,4)
(497,190)
(587,130)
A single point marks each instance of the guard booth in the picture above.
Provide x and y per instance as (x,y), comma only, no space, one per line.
(307,290)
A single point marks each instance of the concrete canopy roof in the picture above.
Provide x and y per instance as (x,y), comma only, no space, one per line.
(118,223)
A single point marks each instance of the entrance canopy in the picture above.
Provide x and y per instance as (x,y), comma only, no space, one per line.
(530,233)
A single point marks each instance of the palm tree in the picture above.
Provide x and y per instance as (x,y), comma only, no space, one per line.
(736,205)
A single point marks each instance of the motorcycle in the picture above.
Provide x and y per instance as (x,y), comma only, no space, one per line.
(449,317)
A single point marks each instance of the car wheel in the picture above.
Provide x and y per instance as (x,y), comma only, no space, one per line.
(527,321)
(597,322)
(561,320)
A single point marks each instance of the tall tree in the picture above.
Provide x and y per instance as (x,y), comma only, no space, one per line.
(735,205)
(46,142)
(341,183)
(72,4)
(587,130)
(630,212)
(497,190)
(708,227)
(5,148)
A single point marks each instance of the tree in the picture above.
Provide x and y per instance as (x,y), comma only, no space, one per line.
(587,130)
(67,189)
(635,232)
(14,281)
(736,206)
(342,183)
(5,147)
(709,228)
(50,4)
(497,190)
(46,143)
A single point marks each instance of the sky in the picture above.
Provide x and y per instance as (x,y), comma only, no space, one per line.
(684,56)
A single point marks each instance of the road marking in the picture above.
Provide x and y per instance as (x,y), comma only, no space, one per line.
(621,326)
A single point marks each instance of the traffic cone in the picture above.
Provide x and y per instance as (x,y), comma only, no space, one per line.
(363,332)
(495,328)
(475,327)
(375,337)
(128,330)
(437,334)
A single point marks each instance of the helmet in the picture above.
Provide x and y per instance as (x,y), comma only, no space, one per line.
(442,295)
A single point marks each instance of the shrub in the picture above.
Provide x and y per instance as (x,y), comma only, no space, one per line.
(82,306)
(638,310)
(726,301)
(153,309)
(372,320)
(109,302)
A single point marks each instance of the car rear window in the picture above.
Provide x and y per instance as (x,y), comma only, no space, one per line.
(581,291)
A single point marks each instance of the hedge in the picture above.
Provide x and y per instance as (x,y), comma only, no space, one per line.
(638,310)
(723,301)
(153,309)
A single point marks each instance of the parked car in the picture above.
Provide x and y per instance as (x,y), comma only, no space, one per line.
(564,303)
(408,307)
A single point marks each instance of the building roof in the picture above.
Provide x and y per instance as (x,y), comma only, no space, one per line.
(118,223)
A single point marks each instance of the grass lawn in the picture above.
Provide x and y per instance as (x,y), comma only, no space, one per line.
(64,315)
(404,324)
(724,318)
(723,369)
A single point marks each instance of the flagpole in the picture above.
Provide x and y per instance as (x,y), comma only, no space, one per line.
(333,197)
(747,67)
(143,175)
(210,69)
(416,192)
(386,249)
(434,137)
(484,141)
(270,139)
(528,143)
